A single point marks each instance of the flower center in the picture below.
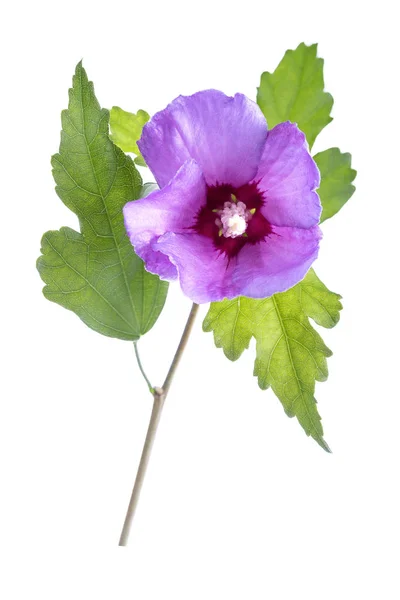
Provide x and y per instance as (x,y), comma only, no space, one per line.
(233,219)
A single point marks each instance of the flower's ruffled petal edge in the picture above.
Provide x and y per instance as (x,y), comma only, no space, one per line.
(259,270)
(225,136)
(288,177)
(174,208)
(276,264)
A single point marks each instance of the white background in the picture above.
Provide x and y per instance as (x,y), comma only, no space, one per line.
(238,502)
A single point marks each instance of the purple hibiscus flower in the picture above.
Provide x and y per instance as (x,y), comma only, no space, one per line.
(237,212)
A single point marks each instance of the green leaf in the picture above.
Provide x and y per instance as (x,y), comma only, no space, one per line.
(290,354)
(96,273)
(147,189)
(126,129)
(336,177)
(317,302)
(294,92)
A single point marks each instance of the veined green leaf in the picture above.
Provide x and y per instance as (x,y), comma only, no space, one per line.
(336,180)
(290,354)
(96,273)
(126,129)
(294,92)
(317,302)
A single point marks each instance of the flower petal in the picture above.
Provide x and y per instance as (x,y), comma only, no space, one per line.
(288,177)
(204,273)
(259,270)
(173,208)
(225,136)
(277,263)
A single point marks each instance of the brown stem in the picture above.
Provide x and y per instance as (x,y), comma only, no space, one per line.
(159,395)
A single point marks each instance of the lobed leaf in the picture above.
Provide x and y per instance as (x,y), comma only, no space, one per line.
(96,273)
(126,129)
(294,92)
(336,180)
(290,354)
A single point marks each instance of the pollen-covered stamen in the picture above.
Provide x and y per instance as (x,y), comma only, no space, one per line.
(233,219)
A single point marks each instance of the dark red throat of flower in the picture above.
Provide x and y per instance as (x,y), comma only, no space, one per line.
(232,218)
